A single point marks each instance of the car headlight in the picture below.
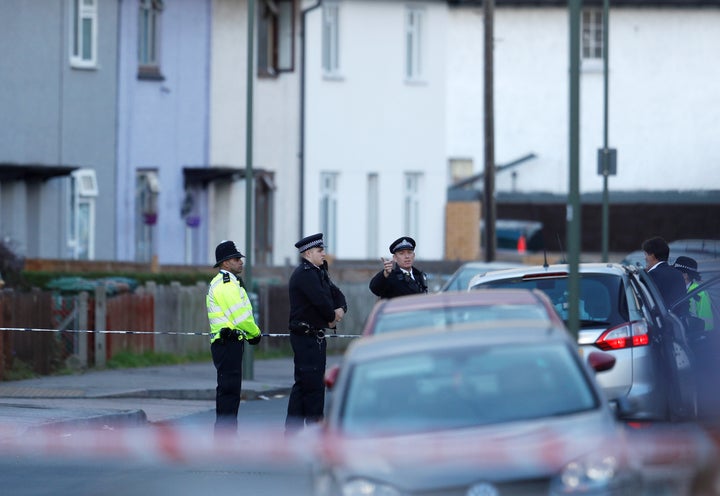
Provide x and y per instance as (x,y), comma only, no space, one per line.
(366,487)
(593,473)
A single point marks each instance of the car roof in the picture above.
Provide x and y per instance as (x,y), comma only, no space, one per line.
(470,334)
(561,270)
(460,299)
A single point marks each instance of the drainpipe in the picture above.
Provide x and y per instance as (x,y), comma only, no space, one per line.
(301,151)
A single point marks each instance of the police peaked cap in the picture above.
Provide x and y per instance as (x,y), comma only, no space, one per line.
(686,264)
(225,251)
(405,243)
(310,242)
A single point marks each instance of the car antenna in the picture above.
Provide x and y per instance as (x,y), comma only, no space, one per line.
(562,250)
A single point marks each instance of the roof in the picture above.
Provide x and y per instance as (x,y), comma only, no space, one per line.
(591,3)
(206,174)
(459,299)
(29,172)
(688,197)
(471,334)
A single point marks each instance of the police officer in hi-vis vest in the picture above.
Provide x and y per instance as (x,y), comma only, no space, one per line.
(316,304)
(231,324)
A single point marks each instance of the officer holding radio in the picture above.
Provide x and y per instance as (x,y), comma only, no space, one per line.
(316,305)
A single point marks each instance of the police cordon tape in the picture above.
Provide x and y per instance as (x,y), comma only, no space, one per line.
(173,333)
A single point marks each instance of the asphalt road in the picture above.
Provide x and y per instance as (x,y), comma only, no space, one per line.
(175,457)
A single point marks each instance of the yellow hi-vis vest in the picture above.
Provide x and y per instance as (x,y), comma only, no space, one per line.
(228,305)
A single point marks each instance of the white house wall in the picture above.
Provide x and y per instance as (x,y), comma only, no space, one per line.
(371,120)
(275,130)
(664,114)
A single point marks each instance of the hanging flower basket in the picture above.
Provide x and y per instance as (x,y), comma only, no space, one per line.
(150,218)
(192,220)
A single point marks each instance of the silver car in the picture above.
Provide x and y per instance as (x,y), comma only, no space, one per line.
(499,408)
(621,312)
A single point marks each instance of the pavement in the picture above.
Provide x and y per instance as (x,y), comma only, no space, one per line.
(130,396)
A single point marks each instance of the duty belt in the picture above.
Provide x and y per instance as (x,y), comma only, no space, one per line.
(304,329)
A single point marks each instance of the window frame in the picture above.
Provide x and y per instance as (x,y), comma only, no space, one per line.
(328,208)
(82,11)
(149,39)
(147,192)
(414,58)
(412,184)
(331,39)
(81,218)
(592,47)
(276,37)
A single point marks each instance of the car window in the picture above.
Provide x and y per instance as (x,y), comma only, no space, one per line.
(465,387)
(440,318)
(602,298)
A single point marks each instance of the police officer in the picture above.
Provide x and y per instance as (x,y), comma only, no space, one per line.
(316,304)
(399,277)
(700,304)
(231,324)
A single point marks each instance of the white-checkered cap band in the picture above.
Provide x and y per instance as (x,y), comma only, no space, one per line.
(317,242)
(403,245)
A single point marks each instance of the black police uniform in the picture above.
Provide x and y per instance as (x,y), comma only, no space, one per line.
(398,283)
(313,300)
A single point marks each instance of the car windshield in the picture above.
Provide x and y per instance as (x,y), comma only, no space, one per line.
(464,387)
(602,301)
(441,318)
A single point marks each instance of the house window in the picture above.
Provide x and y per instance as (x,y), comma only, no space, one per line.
(330,39)
(276,37)
(149,30)
(83,44)
(147,189)
(413,43)
(411,210)
(328,208)
(592,34)
(81,225)
(373,214)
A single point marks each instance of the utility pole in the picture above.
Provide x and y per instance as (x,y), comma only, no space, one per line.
(489,124)
(605,157)
(249,363)
(573,213)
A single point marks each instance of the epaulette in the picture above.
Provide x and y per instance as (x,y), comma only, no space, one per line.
(226,277)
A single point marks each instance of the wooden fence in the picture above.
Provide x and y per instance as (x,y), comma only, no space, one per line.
(70,329)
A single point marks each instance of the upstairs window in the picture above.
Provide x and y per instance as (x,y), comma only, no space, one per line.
(276,37)
(83,43)
(149,39)
(592,38)
(330,39)
(414,20)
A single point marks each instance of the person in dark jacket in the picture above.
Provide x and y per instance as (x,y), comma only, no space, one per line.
(316,306)
(399,276)
(668,279)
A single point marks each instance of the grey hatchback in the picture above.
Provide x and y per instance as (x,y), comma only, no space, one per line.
(621,313)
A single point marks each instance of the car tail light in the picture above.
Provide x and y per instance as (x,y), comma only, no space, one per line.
(627,335)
